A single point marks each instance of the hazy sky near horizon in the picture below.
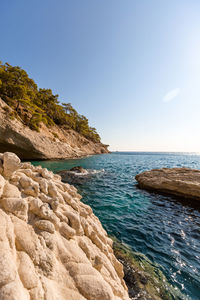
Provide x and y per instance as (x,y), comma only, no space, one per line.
(131,66)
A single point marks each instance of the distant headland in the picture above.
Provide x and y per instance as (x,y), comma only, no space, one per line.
(34,125)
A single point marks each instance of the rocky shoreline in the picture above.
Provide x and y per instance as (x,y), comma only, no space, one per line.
(49,143)
(180,182)
(52,245)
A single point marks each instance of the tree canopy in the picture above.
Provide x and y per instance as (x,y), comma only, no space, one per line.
(36,105)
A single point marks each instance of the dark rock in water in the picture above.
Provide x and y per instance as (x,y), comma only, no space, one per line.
(74,175)
(78,169)
(78,175)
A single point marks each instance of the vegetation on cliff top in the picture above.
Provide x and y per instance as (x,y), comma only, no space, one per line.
(35,106)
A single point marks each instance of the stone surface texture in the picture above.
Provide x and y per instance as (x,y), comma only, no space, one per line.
(49,143)
(52,246)
(183,182)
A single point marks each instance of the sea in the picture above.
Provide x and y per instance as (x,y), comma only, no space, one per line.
(163,228)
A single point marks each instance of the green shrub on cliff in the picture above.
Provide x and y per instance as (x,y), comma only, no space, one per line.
(35,106)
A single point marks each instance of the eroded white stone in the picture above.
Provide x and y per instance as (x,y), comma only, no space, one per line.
(11,163)
(45,225)
(52,246)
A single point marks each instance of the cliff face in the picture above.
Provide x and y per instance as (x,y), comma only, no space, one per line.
(52,246)
(49,143)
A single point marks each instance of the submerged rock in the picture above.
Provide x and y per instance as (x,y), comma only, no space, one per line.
(52,246)
(144,279)
(182,182)
(78,175)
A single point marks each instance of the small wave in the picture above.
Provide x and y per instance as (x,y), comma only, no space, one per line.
(87,172)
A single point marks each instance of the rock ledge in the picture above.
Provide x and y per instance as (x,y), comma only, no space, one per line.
(182,182)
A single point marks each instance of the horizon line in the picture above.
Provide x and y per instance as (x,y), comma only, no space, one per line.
(150,151)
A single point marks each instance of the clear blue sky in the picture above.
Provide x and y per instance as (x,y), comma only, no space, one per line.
(131,66)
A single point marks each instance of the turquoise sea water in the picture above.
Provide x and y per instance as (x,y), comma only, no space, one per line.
(163,228)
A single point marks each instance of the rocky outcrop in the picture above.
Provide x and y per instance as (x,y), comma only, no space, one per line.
(79,175)
(78,169)
(183,182)
(52,246)
(49,143)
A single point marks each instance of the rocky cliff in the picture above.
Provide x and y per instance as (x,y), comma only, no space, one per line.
(52,246)
(49,143)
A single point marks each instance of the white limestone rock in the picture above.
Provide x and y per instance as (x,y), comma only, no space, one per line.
(182,182)
(2,183)
(45,226)
(10,191)
(17,206)
(11,163)
(52,246)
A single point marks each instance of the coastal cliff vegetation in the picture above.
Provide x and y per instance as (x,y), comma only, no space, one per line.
(34,106)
